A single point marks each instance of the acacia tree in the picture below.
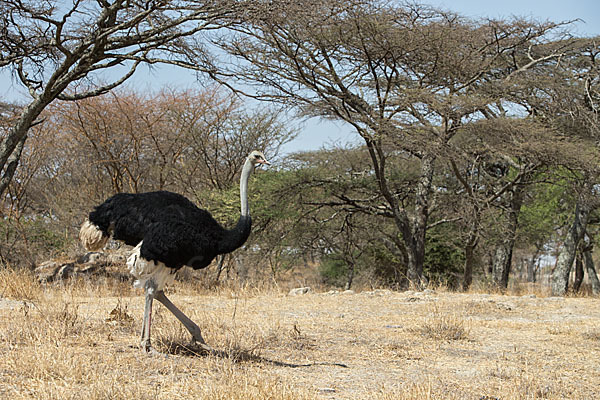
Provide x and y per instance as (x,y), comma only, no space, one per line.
(580,117)
(73,50)
(484,191)
(545,138)
(405,77)
(567,98)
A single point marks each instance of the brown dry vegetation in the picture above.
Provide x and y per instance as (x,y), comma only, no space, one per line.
(79,340)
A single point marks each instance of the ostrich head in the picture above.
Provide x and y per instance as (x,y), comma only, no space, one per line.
(257,157)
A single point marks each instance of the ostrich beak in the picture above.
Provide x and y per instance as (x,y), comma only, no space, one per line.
(264,162)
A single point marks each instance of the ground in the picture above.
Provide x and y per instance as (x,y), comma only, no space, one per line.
(79,340)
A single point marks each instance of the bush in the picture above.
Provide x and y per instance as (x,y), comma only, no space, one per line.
(333,270)
(26,242)
(444,260)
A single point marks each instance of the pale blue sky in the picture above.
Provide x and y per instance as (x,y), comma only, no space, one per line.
(588,11)
(316,133)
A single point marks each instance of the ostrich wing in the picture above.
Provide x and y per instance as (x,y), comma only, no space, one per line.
(130,215)
(177,243)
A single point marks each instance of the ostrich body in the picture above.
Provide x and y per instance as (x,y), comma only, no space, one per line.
(168,232)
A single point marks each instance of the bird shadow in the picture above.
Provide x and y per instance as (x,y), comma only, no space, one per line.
(236,355)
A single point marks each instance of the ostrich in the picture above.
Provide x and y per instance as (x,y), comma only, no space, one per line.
(168,232)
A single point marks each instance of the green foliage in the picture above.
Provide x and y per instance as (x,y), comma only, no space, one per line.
(224,205)
(272,195)
(42,240)
(386,267)
(374,261)
(42,233)
(444,258)
(548,209)
(333,270)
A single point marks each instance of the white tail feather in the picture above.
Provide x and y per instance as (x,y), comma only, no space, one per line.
(92,237)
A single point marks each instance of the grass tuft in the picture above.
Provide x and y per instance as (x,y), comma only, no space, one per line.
(444,326)
(19,284)
(592,334)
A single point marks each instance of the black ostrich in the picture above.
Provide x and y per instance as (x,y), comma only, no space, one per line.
(168,232)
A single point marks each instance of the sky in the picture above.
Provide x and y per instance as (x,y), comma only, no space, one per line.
(587,11)
(316,133)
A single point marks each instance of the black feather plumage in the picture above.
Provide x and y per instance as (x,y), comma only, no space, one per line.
(174,231)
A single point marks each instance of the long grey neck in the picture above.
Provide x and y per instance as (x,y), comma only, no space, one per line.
(246,171)
(237,236)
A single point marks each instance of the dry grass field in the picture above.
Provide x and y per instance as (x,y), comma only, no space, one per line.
(78,340)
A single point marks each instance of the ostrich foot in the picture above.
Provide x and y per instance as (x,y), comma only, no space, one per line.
(203,346)
(151,351)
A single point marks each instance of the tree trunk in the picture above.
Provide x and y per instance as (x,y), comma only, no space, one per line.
(414,272)
(469,261)
(503,255)
(11,165)
(416,243)
(501,264)
(12,144)
(578,273)
(566,256)
(488,267)
(351,267)
(470,245)
(531,266)
(532,270)
(591,271)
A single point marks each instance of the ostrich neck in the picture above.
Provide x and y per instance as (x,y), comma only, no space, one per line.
(246,171)
(237,236)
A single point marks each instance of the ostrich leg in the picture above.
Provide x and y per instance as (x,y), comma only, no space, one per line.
(190,325)
(150,294)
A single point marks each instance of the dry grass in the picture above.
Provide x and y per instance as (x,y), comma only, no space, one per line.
(78,341)
(444,326)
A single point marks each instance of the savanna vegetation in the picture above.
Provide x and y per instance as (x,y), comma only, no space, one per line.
(473,168)
(477,159)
